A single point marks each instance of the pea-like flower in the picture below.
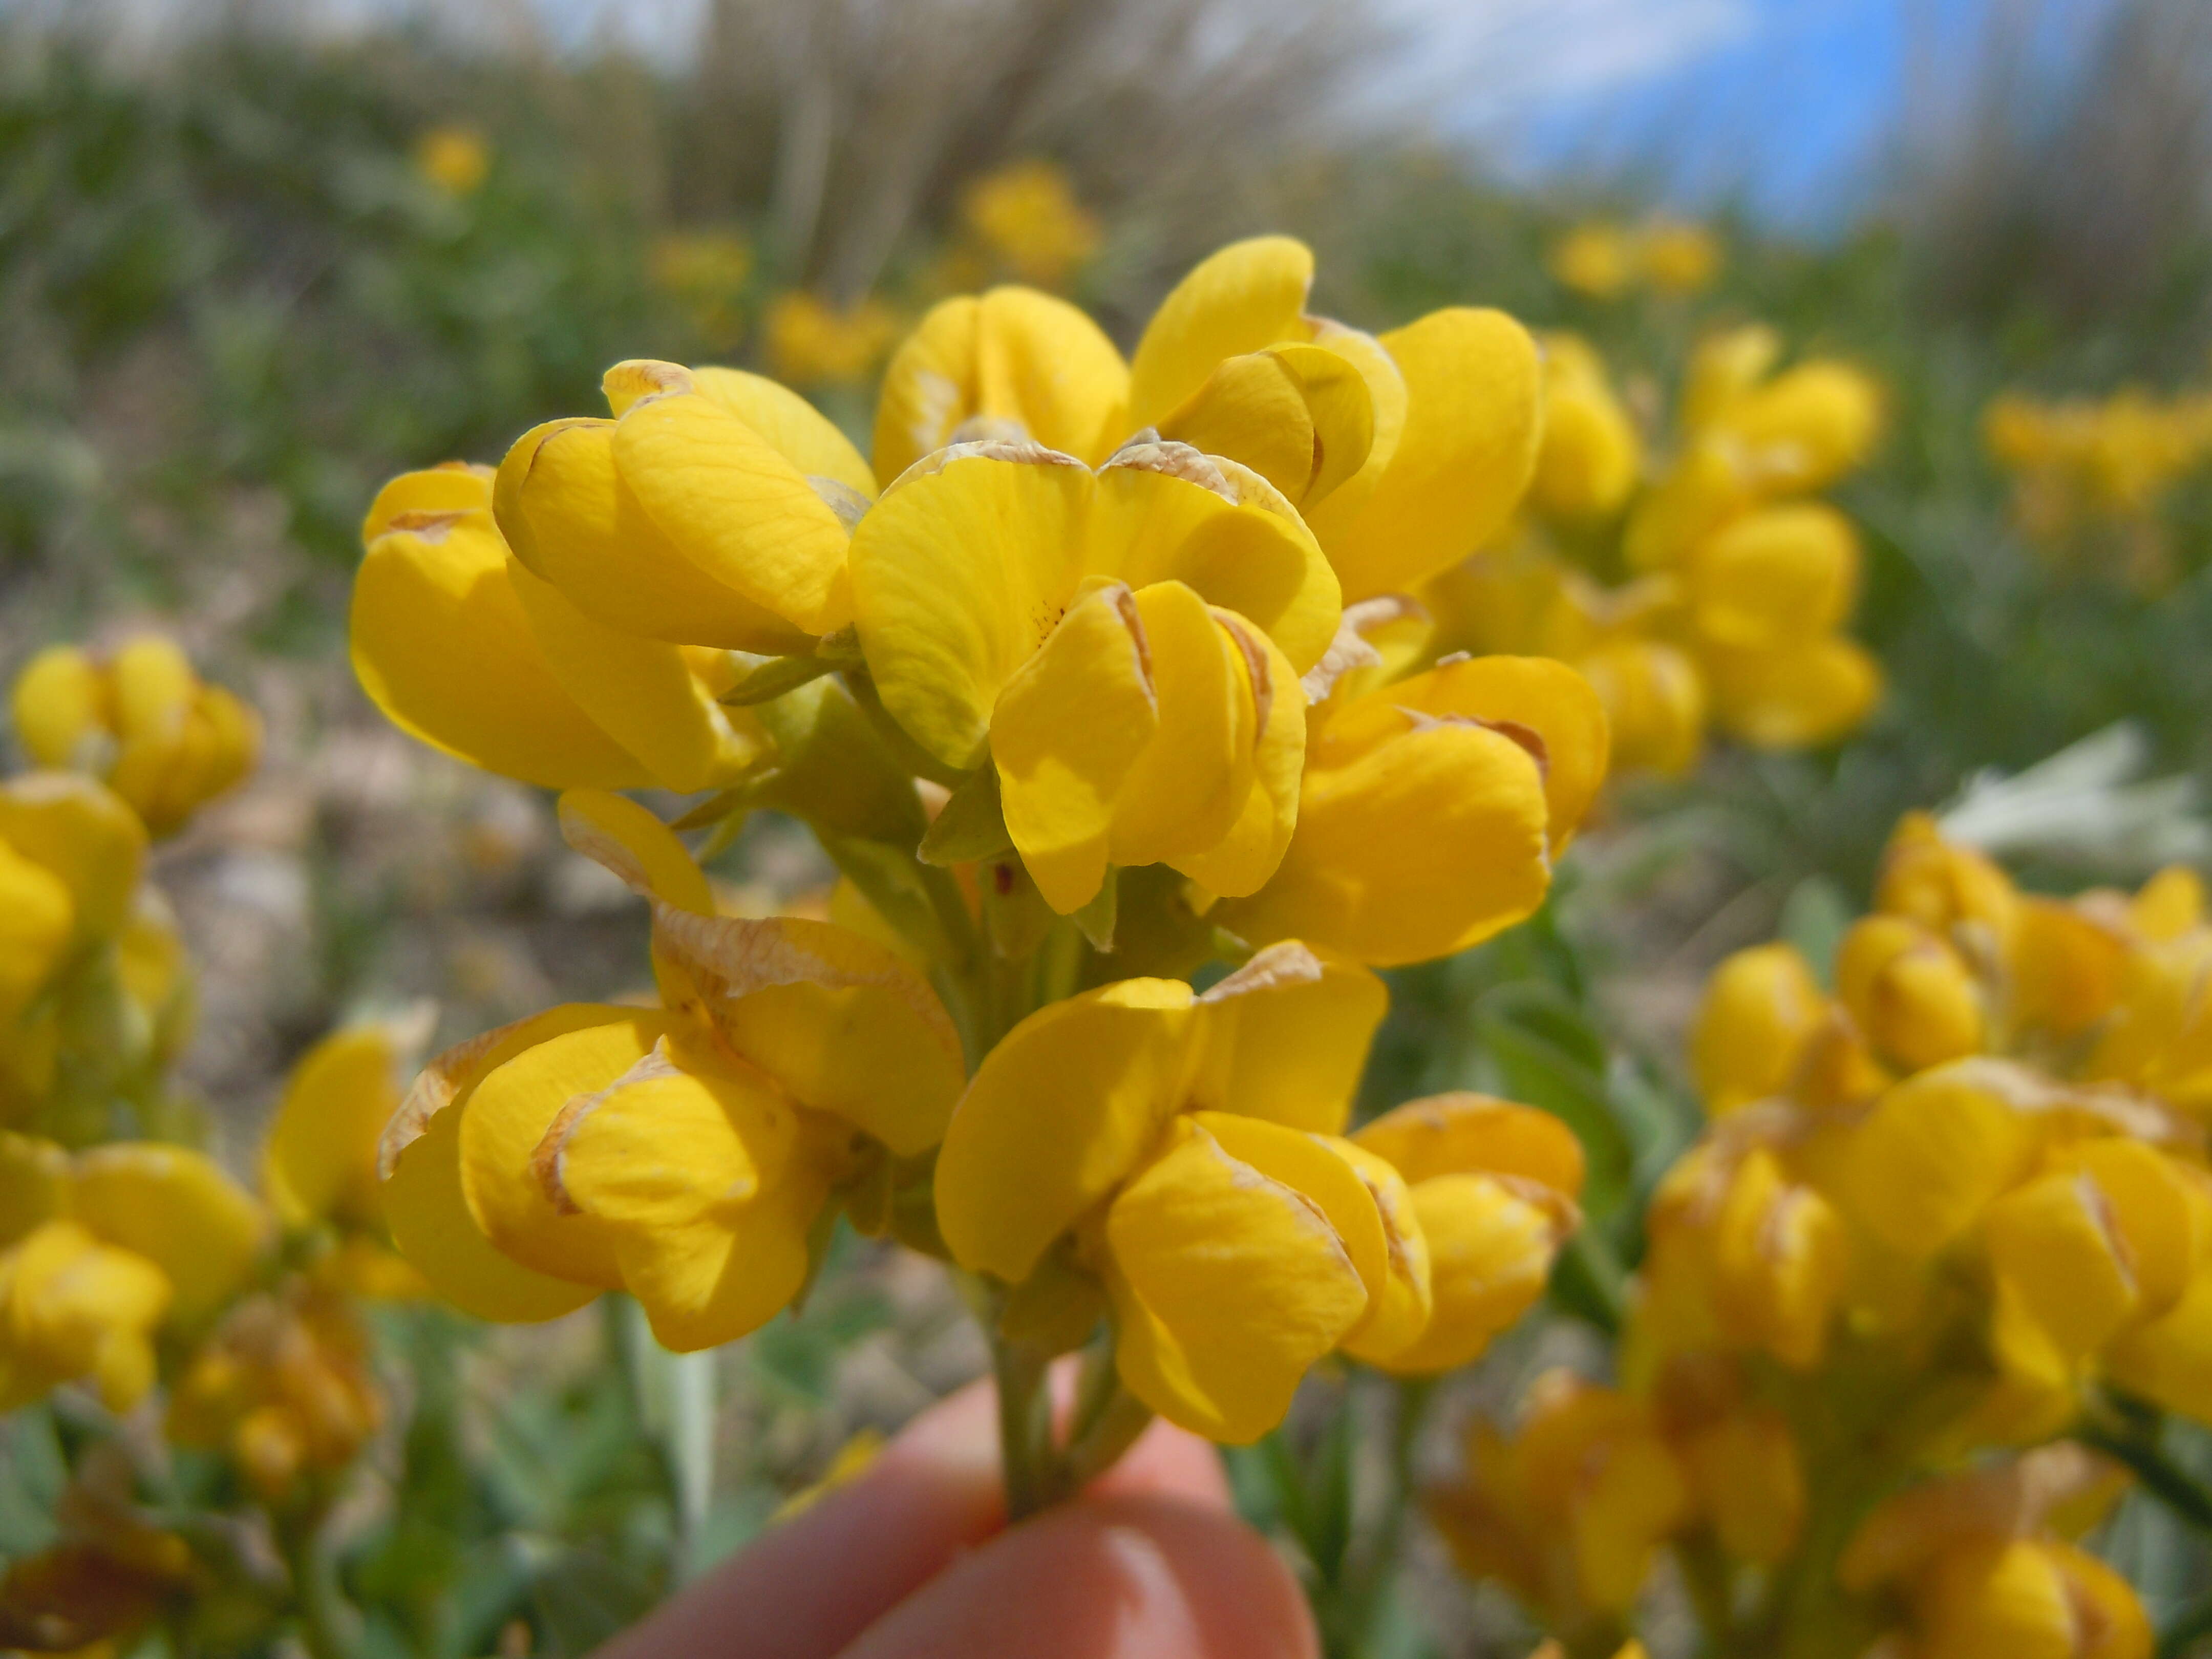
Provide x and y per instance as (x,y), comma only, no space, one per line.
(1194,1168)
(97,1251)
(1430,806)
(141,721)
(1122,645)
(463,649)
(686,1153)
(1981,1561)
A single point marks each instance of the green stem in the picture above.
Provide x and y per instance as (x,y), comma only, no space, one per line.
(327,1625)
(1355,1601)
(1024,1428)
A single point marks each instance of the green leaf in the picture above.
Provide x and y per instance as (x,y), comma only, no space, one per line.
(972,826)
(1537,1070)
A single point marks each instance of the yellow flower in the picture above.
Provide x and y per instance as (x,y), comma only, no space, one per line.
(1122,645)
(1571,1509)
(1760,1008)
(1430,809)
(816,344)
(1591,452)
(685,1152)
(283,1386)
(319,1160)
(1027,215)
(1493,1186)
(465,648)
(1910,993)
(1974,1561)
(1012,364)
(454,158)
(1679,258)
(1596,259)
(73,1307)
(141,721)
(1192,1164)
(1404,453)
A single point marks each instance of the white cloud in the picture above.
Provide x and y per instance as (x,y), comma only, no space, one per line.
(1478,62)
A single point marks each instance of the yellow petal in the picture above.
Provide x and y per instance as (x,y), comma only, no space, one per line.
(2168,1361)
(641,692)
(1065,733)
(1796,698)
(721,493)
(959,574)
(1935,1152)
(1386,404)
(2168,905)
(1116,1063)
(506,1114)
(1286,1038)
(35,1176)
(59,701)
(1189,784)
(1400,1307)
(1780,1258)
(929,387)
(2066,969)
(178,1209)
(1428,843)
(789,425)
(842,1023)
(1994,1599)
(572,514)
(86,836)
(1166,513)
(37,921)
(1043,363)
(2109,1620)
(1531,696)
(448,489)
(1760,1008)
(621,835)
(442,644)
(1911,995)
(1467,1134)
(1490,1254)
(1655,704)
(1321,1169)
(1227,1283)
(1246,296)
(698,1168)
(1776,578)
(1300,416)
(1240,863)
(430,1223)
(2161,1213)
(1472,418)
(319,1160)
(2054,1244)
(1805,428)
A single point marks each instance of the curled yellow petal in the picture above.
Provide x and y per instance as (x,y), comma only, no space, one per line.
(1760,1007)
(1467,1134)
(1227,1284)
(1242,298)
(1491,1245)
(319,1159)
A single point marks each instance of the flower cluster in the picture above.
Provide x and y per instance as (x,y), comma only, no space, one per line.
(1102,671)
(1605,260)
(1955,1204)
(2090,476)
(1708,591)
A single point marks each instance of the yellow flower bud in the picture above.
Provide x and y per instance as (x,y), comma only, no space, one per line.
(1591,452)
(1760,1008)
(1945,887)
(140,720)
(1655,704)
(73,1307)
(1909,992)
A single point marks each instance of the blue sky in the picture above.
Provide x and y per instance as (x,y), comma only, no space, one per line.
(1791,107)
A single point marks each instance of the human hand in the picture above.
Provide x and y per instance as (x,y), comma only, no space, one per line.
(914,1561)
